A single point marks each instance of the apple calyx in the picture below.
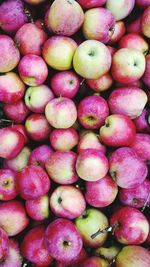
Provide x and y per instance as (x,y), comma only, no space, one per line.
(66,243)
(108,229)
(146,202)
(59,200)
(111,31)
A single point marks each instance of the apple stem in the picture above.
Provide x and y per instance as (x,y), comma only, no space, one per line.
(146,202)
(108,229)
(81,83)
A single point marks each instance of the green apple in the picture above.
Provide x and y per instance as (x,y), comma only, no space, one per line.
(109,253)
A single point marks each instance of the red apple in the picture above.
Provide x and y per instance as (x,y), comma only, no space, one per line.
(119,31)
(135,25)
(8,190)
(142,122)
(17,112)
(14,257)
(101,84)
(40,155)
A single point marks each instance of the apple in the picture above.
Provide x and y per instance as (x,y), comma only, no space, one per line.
(58,52)
(98,24)
(135,25)
(142,122)
(4,245)
(63,240)
(69,20)
(126,168)
(32,182)
(121,9)
(128,65)
(61,112)
(12,15)
(61,167)
(37,127)
(65,83)
(93,54)
(17,112)
(90,140)
(91,165)
(143,3)
(37,97)
(119,31)
(14,257)
(92,111)
(38,208)
(133,227)
(20,161)
(108,253)
(13,218)
(141,145)
(91,3)
(95,261)
(8,190)
(145,77)
(145,22)
(64,139)
(30,39)
(101,193)
(67,201)
(11,88)
(40,155)
(119,130)
(76,261)
(32,70)
(101,84)
(133,256)
(128,101)
(135,197)
(9,54)
(88,223)
(34,249)
(11,142)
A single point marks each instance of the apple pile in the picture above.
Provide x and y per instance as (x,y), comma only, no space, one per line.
(74,133)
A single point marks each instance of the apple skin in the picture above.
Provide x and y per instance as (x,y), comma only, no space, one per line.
(34,249)
(141,145)
(37,97)
(90,222)
(145,22)
(91,165)
(20,128)
(121,9)
(95,262)
(14,257)
(58,52)
(32,182)
(135,41)
(140,257)
(119,130)
(69,20)
(90,140)
(12,15)
(135,197)
(133,226)
(98,24)
(143,3)
(13,218)
(38,208)
(37,127)
(76,261)
(91,3)
(65,84)
(11,88)
(93,54)
(126,168)
(119,31)
(101,84)
(64,139)
(141,122)
(40,155)
(9,54)
(8,190)
(128,65)
(32,70)
(92,112)
(61,167)
(101,193)
(146,75)
(63,240)
(17,112)
(30,39)
(135,26)
(61,113)
(66,201)
(4,244)
(11,142)
(129,101)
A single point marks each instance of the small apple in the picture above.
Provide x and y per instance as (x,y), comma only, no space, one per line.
(38,208)
(40,155)
(17,112)
(8,190)
(101,84)
(121,9)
